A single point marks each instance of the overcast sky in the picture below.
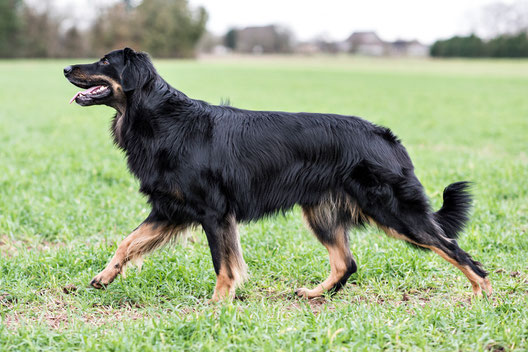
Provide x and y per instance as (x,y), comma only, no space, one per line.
(425,20)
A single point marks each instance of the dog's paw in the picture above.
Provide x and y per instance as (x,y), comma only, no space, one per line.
(302,292)
(104,278)
(97,283)
(487,286)
(223,296)
(483,286)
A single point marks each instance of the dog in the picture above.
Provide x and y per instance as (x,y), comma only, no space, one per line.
(216,166)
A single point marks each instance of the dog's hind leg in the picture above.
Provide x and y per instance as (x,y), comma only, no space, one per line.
(424,232)
(144,239)
(398,205)
(449,250)
(229,265)
(469,267)
(327,225)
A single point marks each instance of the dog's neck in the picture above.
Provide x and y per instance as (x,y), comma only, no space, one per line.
(120,107)
(124,114)
(117,125)
(120,103)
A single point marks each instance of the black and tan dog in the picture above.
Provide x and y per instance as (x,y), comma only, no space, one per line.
(218,165)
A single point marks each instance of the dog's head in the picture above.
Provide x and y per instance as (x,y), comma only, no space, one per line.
(110,80)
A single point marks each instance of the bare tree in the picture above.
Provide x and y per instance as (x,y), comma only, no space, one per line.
(170,28)
(114,27)
(502,18)
(40,32)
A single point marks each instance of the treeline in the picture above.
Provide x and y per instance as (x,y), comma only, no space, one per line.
(164,28)
(506,45)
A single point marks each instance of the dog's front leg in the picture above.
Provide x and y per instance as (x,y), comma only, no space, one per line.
(147,237)
(228,262)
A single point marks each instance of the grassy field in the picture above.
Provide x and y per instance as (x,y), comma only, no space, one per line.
(66,200)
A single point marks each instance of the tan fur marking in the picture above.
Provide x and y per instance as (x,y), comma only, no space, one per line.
(357,213)
(233,268)
(237,264)
(119,101)
(225,286)
(150,238)
(327,211)
(142,240)
(117,128)
(339,255)
(476,281)
(115,85)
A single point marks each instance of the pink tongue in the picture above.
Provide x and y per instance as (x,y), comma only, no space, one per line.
(88,91)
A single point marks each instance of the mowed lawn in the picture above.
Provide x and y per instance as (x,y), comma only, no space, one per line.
(67,199)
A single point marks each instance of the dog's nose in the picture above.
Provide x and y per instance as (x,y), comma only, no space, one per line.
(67,70)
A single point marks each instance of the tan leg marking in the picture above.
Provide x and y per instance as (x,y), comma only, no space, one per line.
(142,240)
(478,283)
(227,280)
(225,287)
(233,269)
(339,254)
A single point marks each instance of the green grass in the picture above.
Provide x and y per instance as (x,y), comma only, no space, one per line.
(66,200)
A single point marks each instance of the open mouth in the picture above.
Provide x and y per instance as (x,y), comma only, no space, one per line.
(91,94)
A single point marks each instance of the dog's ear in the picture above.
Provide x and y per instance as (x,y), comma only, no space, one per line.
(138,70)
(128,52)
(130,75)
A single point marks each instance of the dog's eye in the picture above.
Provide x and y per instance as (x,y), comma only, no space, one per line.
(104,61)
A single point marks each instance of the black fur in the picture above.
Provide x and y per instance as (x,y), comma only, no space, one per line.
(200,164)
(454,213)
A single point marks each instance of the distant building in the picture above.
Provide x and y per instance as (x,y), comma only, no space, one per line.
(264,39)
(408,48)
(370,44)
(276,39)
(365,43)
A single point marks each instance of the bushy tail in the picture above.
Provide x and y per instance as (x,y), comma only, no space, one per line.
(454,214)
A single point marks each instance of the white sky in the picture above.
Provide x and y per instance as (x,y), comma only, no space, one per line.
(425,20)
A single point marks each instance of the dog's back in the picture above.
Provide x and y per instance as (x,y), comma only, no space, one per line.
(267,161)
